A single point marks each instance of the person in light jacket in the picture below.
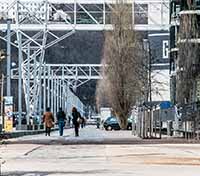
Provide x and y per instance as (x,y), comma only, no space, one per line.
(48,121)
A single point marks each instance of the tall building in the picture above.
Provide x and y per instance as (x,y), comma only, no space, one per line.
(185,60)
(159,45)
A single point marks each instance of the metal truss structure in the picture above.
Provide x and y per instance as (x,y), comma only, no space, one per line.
(33,32)
(85,15)
(56,79)
(74,75)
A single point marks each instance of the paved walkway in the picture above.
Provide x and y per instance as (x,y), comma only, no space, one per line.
(91,135)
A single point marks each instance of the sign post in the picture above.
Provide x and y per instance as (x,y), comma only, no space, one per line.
(8,111)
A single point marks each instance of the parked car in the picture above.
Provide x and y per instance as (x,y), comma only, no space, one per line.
(91,122)
(111,123)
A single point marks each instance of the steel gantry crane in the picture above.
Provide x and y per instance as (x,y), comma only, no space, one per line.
(34,26)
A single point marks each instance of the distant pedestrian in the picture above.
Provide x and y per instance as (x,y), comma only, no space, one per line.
(61,117)
(76,120)
(82,122)
(48,121)
(69,121)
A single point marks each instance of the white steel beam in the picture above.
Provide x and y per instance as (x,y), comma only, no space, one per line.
(82,7)
(85,27)
(88,1)
(74,74)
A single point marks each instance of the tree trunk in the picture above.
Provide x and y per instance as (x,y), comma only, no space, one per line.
(123,123)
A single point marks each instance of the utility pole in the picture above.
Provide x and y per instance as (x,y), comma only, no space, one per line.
(44,88)
(2,56)
(150,96)
(20,59)
(2,87)
(49,88)
(149,92)
(52,90)
(28,86)
(8,76)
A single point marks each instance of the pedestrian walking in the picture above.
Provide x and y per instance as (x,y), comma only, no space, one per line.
(48,121)
(61,117)
(69,121)
(82,122)
(76,120)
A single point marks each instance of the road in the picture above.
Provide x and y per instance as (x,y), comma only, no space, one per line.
(33,159)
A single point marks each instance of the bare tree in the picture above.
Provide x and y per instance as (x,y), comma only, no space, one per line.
(124,75)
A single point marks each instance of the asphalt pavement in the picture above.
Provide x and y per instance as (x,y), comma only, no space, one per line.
(100,160)
(81,156)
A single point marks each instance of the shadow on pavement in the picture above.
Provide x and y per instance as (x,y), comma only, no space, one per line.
(47,173)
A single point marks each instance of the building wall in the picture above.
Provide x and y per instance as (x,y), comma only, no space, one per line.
(154,12)
(160,85)
(159,45)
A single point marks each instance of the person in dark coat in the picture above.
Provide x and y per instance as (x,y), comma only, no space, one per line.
(48,121)
(61,117)
(76,118)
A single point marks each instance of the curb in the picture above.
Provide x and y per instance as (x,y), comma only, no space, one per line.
(103,141)
(17,134)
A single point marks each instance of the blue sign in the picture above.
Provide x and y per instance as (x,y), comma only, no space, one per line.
(165,105)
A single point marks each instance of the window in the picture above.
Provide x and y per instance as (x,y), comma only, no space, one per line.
(197,4)
(141,14)
(113,119)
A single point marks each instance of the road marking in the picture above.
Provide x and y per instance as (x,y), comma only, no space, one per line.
(34,149)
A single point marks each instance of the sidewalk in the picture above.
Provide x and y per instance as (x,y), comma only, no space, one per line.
(20,133)
(91,135)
